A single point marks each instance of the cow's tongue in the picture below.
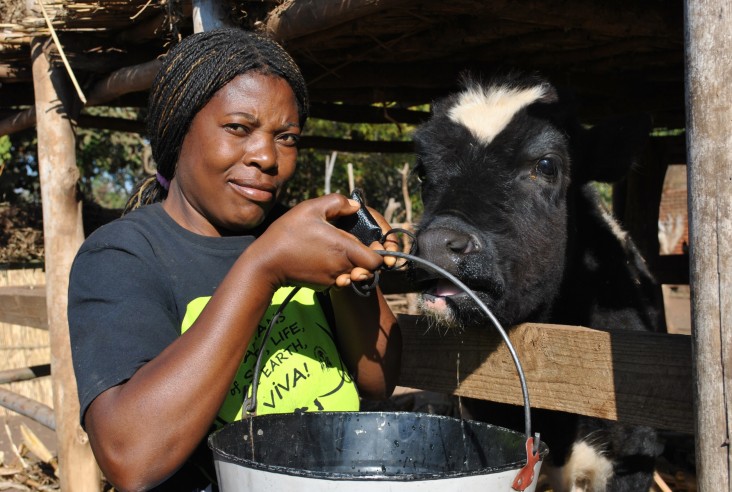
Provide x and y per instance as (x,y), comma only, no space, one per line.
(445,288)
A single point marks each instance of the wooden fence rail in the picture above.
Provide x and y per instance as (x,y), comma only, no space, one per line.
(32,409)
(635,378)
(25,306)
(631,377)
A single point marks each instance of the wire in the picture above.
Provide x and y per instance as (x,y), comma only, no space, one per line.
(489,313)
(250,403)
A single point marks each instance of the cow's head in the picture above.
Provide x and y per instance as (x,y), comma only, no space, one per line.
(498,163)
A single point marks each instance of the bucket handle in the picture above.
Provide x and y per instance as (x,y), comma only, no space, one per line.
(494,320)
(526,474)
(249,404)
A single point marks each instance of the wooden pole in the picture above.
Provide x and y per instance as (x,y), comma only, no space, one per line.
(123,81)
(28,408)
(709,143)
(293,19)
(209,15)
(18,122)
(63,234)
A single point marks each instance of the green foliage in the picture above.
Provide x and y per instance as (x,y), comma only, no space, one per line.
(5,147)
(605,190)
(19,168)
(110,162)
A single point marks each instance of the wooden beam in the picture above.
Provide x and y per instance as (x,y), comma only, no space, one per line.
(366,114)
(343,145)
(636,378)
(307,142)
(25,306)
(24,373)
(632,377)
(142,32)
(114,124)
(208,15)
(63,234)
(32,409)
(123,81)
(296,18)
(118,83)
(18,122)
(709,137)
(15,74)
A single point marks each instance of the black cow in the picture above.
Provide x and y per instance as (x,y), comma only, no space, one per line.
(508,208)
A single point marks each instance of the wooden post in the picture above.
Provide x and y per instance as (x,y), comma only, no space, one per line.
(63,234)
(209,15)
(709,143)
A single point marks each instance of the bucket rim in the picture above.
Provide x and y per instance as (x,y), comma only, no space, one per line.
(222,456)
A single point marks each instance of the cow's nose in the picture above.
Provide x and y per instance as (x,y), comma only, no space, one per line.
(438,243)
(461,244)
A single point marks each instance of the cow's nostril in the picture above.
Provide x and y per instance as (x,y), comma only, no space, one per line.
(461,243)
(446,246)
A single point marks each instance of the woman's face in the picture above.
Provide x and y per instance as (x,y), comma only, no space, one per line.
(236,157)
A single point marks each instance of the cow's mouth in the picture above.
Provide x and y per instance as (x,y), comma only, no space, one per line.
(435,296)
(444,288)
(432,287)
(451,305)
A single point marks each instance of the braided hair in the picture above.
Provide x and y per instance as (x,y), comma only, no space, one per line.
(192,72)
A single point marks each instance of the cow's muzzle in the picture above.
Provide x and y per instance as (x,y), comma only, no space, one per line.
(446,247)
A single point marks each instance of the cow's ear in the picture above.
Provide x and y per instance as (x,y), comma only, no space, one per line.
(613,146)
(440,106)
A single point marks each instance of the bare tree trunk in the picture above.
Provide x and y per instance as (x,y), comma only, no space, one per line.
(63,234)
(351,180)
(709,135)
(329,166)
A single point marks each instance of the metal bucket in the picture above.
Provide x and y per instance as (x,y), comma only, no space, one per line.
(368,451)
(376,451)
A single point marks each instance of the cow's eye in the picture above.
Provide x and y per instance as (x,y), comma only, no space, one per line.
(419,171)
(548,166)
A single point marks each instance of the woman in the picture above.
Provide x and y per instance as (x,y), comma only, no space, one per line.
(168,304)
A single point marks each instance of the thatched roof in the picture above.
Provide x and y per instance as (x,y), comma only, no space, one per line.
(619,55)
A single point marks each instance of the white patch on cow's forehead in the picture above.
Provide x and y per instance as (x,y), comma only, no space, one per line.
(486,112)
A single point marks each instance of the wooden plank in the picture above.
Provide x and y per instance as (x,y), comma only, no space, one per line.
(631,377)
(30,408)
(18,122)
(24,373)
(641,378)
(296,18)
(25,306)
(709,136)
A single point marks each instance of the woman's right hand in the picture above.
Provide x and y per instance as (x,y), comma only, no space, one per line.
(304,248)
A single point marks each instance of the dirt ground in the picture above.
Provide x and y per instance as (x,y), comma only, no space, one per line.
(20,469)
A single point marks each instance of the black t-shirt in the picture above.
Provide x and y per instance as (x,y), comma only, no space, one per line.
(122,276)
(134,285)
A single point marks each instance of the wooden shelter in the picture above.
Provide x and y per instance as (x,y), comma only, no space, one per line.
(373,60)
